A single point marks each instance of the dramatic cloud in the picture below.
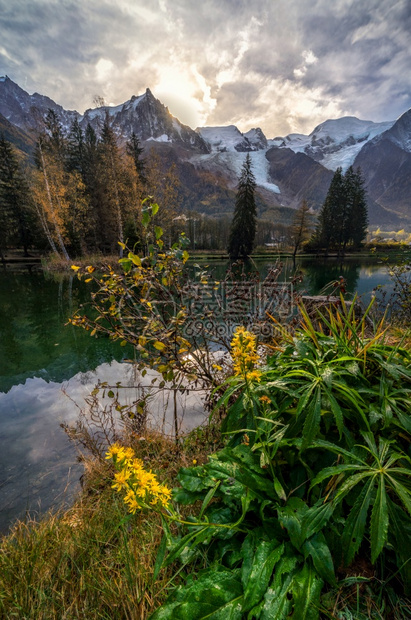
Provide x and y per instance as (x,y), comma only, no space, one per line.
(283,65)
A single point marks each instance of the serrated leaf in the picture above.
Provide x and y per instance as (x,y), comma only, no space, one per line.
(379,521)
(403,493)
(336,470)
(355,524)
(312,421)
(315,519)
(336,410)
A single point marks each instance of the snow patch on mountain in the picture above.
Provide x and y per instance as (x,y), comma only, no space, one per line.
(232,162)
(260,168)
(163,138)
(335,142)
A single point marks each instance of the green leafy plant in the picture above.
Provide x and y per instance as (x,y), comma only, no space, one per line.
(315,474)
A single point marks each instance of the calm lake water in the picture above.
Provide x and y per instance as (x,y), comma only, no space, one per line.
(40,355)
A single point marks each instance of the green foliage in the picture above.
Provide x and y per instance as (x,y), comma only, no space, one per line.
(244,225)
(316,471)
(16,207)
(400,300)
(146,306)
(343,217)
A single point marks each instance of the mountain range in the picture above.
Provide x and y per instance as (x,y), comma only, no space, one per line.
(208,160)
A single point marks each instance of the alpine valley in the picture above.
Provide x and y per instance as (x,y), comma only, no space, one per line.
(208,160)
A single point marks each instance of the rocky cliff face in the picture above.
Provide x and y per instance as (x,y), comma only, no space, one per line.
(149,119)
(28,111)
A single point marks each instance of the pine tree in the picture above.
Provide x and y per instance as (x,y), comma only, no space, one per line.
(343,217)
(135,151)
(16,208)
(244,224)
(357,208)
(329,220)
(76,149)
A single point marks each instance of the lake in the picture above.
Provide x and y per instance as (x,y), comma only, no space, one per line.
(40,355)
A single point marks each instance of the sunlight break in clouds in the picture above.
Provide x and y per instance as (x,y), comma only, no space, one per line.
(283,66)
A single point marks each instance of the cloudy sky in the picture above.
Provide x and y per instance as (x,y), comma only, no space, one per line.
(282,65)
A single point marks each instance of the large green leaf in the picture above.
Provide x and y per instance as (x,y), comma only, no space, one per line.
(336,410)
(214,595)
(356,522)
(315,519)
(320,554)
(277,603)
(312,421)
(290,516)
(307,587)
(267,554)
(195,479)
(379,521)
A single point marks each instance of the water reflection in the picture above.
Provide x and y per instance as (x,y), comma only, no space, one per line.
(361,276)
(38,467)
(34,340)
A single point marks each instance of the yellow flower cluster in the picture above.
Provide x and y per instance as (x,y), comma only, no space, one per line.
(141,487)
(245,356)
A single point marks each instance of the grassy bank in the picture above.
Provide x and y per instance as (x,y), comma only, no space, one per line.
(95,560)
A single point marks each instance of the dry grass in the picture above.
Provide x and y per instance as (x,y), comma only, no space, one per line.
(94,560)
(100,262)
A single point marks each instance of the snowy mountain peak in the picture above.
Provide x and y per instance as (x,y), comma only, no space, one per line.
(335,142)
(257,138)
(400,133)
(230,139)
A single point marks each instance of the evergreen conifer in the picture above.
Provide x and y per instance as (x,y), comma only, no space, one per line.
(244,224)
(343,217)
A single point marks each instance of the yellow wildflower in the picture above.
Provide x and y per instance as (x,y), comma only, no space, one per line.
(264,399)
(141,486)
(121,479)
(113,450)
(245,356)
